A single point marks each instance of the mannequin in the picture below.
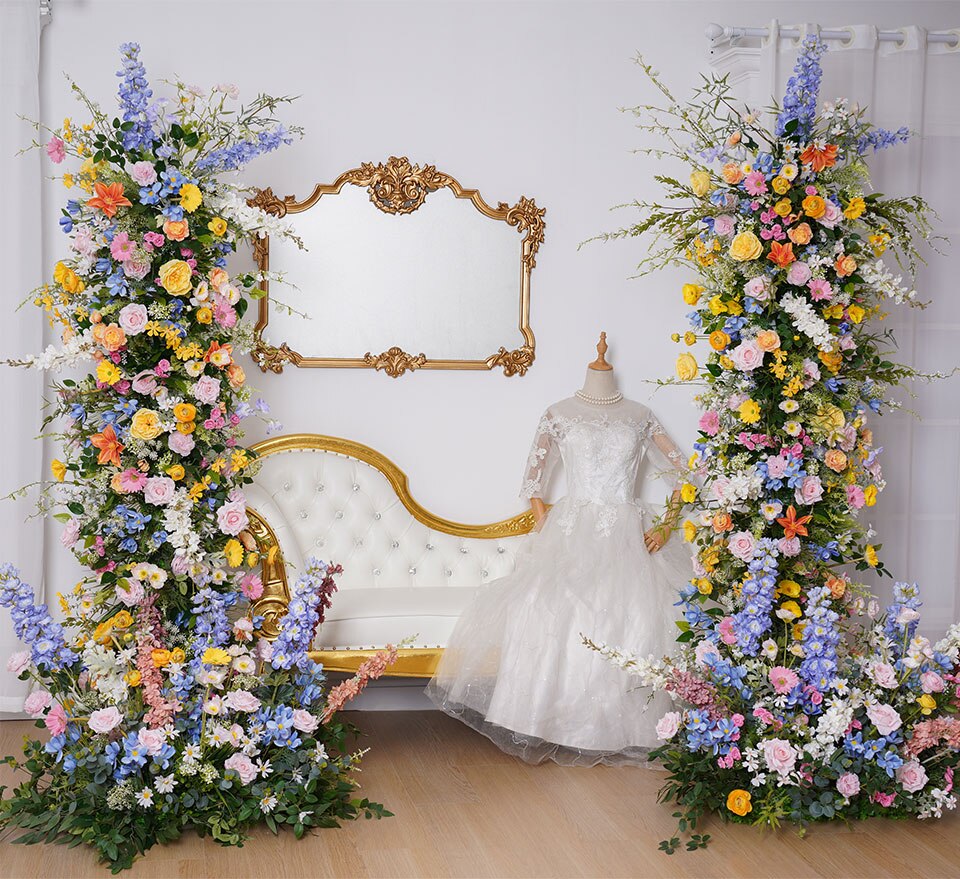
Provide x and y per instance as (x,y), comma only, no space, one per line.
(600,389)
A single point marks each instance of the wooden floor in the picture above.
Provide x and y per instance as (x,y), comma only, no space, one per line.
(462,808)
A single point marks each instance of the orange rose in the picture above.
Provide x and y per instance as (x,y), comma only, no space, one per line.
(236,375)
(846,265)
(814,206)
(800,234)
(837,586)
(114,338)
(731,173)
(218,277)
(98,330)
(176,230)
(722,522)
(768,340)
(835,460)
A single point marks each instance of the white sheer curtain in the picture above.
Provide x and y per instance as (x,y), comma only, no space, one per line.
(21,455)
(913,83)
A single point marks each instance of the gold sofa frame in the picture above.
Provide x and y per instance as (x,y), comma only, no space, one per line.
(272,605)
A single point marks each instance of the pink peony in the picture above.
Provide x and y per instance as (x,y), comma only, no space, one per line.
(668,725)
(783,679)
(724,225)
(799,274)
(133,318)
(884,674)
(789,546)
(884,718)
(779,755)
(241,700)
(912,776)
(143,173)
(56,720)
(820,289)
(207,389)
(747,356)
(132,595)
(848,785)
(243,766)
(37,702)
(181,443)
(710,423)
(18,662)
(725,627)
(56,150)
(742,545)
(104,719)
(305,721)
(232,518)
(159,490)
(776,466)
(809,491)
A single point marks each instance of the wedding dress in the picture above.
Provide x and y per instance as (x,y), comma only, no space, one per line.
(516,669)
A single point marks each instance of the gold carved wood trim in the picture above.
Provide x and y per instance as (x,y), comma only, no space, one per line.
(399,187)
(411,662)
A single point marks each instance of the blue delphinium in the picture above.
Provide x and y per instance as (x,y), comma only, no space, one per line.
(800,100)
(134,96)
(882,138)
(302,617)
(235,156)
(32,622)
(750,623)
(821,635)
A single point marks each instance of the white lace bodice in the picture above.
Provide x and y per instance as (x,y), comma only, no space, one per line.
(601,449)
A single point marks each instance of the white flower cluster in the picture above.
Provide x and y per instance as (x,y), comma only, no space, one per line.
(74,350)
(950,643)
(181,534)
(231,204)
(806,320)
(830,729)
(877,275)
(651,672)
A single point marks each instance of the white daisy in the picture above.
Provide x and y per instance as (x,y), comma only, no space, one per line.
(165,783)
(144,798)
(267,803)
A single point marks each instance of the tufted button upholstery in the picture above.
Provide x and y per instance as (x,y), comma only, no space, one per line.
(400,577)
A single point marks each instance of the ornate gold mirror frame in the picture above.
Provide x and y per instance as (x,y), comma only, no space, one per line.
(398,187)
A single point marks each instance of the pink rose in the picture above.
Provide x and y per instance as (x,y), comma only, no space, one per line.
(831,215)
(133,318)
(71,532)
(725,628)
(710,423)
(305,721)
(779,755)
(884,718)
(724,225)
(56,720)
(855,497)
(232,519)
(809,491)
(18,662)
(931,682)
(207,389)
(143,173)
(264,650)
(181,443)
(884,674)
(742,545)
(241,700)
(243,766)
(104,719)
(783,679)
(820,289)
(668,725)
(912,776)
(159,490)
(747,356)
(144,382)
(132,595)
(799,274)
(789,547)
(758,288)
(37,702)
(152,740)
(848,785)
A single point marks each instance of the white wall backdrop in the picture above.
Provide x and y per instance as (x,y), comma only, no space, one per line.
(518,98)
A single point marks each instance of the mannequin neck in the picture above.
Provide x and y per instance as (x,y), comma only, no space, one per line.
(600,383)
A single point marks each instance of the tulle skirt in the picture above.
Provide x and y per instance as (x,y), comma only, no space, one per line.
(516,669)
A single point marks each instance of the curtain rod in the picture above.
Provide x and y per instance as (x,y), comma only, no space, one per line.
(717,34)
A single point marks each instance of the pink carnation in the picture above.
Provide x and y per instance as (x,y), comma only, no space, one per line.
(143,173)
(724,225)
(241,700)
(56,150)
(799,274)
(37,702)
(181,443)
(725,627)
(18,661)
(855,497)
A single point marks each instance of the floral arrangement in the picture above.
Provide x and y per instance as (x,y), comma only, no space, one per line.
(165,708)
(798,699)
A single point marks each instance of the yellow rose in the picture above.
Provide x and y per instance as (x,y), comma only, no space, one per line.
(233,550)
(780,186)
(175,277)
(790,588)
(719,340)
(855,313)
(855,207)
(814,206)
(185,412)
(688,493)
(783,207)
(145,425)
(749,412)
(738,802)
(215,656)
(59,469)
(176,472)
(687,368)
(217,225)
(700,183)
(689,531)
(190,197)
(691,293)
(107,373)
(870,495)
(870,556)
(927,703)
(745,247)
(828,418)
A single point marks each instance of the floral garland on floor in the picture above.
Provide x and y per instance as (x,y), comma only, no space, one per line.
(165,708)
(798,699)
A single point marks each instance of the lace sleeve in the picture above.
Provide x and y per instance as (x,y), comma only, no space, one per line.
(668,461)
(542,460)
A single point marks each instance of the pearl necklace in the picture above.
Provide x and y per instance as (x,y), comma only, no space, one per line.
(599,401)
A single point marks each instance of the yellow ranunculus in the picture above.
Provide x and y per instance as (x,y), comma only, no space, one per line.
(185,412)
(855,313)
(217,225)
(726,362)
(790,588)
(738,802)
(717,305)
(733,307)
(749,412)
(233,550)
(797,630)
(59,469)
(215,656)
(190,197)
(927,703)
(870,556)
(689,531)
(175,277)
(855,207)
(133,677)
(687,368)
(783,207)
(704,586)
(688,493)
(701,183)
(145,425)
(719,340)
(690,338)
(745,247)
(107,372)
(814,206)
(177,655)
(160,658)
(691,293)
(204,315)
(176,472)
(870,495)
(780,185)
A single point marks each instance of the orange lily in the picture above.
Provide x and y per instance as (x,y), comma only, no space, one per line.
(781,255)
(793,526)
(820,157)
(110,447)
(108,198)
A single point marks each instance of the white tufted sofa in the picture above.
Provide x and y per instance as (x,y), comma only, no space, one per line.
(406,572)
